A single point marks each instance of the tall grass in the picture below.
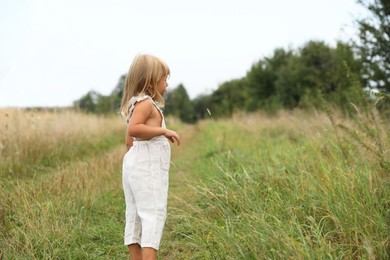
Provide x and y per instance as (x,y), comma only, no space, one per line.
(74,213)
(290,186)
(282,188)
(31,140)
(60,185)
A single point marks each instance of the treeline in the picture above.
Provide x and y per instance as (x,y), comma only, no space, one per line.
(94,102)
(287,79)
(307,77)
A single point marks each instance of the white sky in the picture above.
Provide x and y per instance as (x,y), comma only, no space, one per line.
(54,51)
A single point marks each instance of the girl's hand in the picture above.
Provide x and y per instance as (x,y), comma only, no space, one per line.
(172,136)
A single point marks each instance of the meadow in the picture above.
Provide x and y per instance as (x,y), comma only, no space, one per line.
(294,185)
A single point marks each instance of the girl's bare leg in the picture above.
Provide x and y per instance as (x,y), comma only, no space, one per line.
(135,252)
(149,253)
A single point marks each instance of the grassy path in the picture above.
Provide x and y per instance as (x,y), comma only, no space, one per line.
(76,210)
(73,212)
(245,188)
(181,175)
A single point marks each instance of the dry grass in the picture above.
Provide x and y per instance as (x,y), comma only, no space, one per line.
(44,216)
(297,121)
(294,185)
(36,137)
(59,181)
(367,132)
(21,129)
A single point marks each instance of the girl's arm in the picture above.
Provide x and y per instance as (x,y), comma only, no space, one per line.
(129,140)
(137,127)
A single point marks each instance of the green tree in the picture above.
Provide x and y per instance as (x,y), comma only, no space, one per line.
(374,44)
(261,79)
(229,97)
(106,104)
(178,103)
(94,102)
(318,71)
(201,104)
(293,78)
(117,92)
(88,102)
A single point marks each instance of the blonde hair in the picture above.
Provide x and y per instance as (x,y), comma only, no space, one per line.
(144,74)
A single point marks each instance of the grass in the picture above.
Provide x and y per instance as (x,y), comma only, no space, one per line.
(60,186)
(31,141)
(281,188)
(290,186)
(72,213)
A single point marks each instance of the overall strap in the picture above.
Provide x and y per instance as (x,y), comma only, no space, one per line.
(137,99)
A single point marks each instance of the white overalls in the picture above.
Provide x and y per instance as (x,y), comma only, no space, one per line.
(145,185)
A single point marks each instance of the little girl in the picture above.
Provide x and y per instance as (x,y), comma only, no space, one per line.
(146,164)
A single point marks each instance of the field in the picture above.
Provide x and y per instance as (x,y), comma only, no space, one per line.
(292,186)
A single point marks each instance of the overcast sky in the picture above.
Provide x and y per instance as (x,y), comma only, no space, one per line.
(54,51)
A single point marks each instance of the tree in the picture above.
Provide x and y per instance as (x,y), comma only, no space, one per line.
(261,79)
(94,102)
(318,71)
(229,97)
(88,102)
(117,92)
(201,104)
(374,45)
(178,103)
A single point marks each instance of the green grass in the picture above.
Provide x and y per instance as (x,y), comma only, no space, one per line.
(72,213)
(61,194)
(280,193)
(39,160)
(250,187)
